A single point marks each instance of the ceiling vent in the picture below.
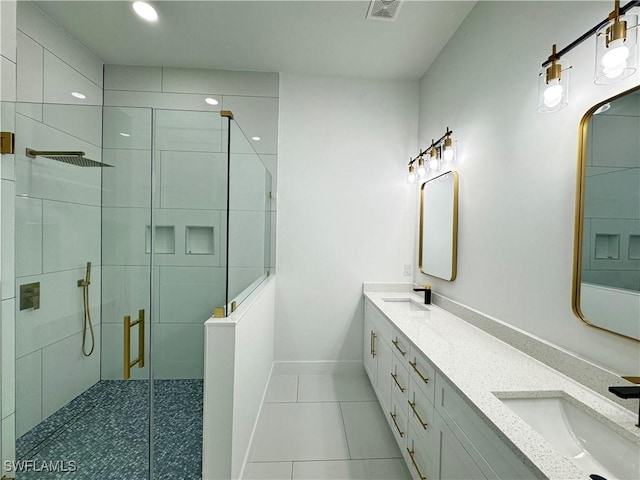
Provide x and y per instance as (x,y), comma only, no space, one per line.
(383,9)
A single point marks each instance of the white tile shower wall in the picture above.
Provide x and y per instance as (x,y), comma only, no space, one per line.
(7,245)
(8,358)
(516,228)
(8,30)
(57,214)
(191,172)
(28,392)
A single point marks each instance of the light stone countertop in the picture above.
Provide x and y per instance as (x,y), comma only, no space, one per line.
(479,364)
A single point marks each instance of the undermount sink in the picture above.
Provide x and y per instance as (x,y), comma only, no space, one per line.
(578,435)
(405,304)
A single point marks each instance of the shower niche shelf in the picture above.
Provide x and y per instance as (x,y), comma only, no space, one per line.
(199,240)
(634,247)
(607,247)
(165,239)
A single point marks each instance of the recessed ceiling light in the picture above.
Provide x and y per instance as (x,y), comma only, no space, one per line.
(79,95)
(125,134)
(145,11)
(211,101)
(602,109)
(256,139)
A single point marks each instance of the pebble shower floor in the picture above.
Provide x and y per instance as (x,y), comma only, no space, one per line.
(105,431)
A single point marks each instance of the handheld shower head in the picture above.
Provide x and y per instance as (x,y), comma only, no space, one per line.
(84,282)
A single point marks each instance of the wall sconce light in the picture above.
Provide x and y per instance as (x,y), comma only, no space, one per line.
(448,147)
(616,42)
(411,177)
(616,57)
(444,149)
(434,157)
(422,171)
(553,86)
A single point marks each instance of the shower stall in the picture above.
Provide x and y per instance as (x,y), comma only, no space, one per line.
(127,240)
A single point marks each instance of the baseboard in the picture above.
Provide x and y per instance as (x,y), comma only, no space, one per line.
(320,367)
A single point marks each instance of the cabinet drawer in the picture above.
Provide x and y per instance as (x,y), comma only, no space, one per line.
(398,420)
(400,379)
(421,415)
(419,458)
(422,373)
(399,343)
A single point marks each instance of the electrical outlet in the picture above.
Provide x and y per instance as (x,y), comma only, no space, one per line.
(407,270)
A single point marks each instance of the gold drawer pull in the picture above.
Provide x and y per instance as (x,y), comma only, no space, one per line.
(413,407)
(393,417)
(414,365)
(395,379)
(373,344)
(415,465)
(395,342)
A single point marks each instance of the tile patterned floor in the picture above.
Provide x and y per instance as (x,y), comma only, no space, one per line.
(312,427)
(106,432)
(323,427)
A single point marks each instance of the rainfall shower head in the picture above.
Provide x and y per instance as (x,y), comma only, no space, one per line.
(74,158)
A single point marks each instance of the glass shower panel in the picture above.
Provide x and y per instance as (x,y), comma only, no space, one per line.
(190,210)
(67,407)
(249,235)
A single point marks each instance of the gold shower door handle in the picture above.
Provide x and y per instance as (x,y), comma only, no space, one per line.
(128,324)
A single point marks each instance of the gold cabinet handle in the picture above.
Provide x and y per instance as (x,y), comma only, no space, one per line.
(414,365)
(395,422)
(415,465)
(128,325)
(395,379)
(413,407)
(373,344)
(395,342)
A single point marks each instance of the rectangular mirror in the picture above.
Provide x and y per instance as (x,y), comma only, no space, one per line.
(439,226)
(606,281)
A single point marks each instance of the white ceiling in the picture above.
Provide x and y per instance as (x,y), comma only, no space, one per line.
(301,36)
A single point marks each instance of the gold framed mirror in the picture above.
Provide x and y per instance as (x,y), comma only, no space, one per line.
(438,244)
(606,277)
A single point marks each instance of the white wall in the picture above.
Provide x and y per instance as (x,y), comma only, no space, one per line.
(518,168)
(7,246)
(57,215)
(345,212)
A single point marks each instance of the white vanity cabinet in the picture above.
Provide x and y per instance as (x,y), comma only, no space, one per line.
(377,353)
(480,443)
(438,432)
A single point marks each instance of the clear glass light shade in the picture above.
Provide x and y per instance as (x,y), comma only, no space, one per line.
(422,170)
(411,176)
(616,59)
(449,152)
(553,94)
(434,163)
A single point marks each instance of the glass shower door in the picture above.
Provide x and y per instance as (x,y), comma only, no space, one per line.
(189,214)
(75,414)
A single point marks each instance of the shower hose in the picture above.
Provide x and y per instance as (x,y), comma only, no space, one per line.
(84,283)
